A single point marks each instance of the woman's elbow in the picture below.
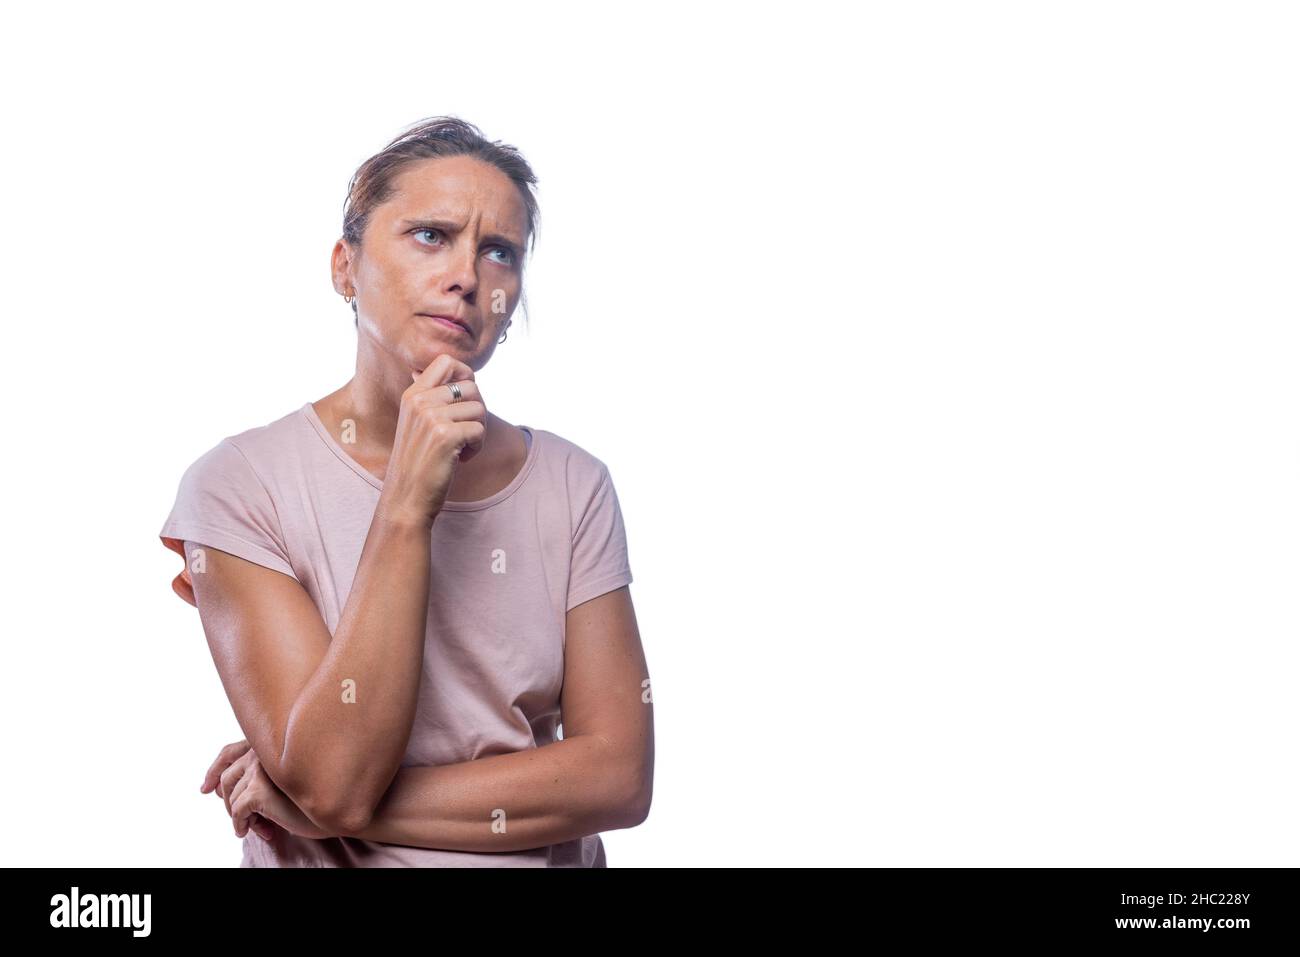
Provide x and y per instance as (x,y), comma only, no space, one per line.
(329,805)
(351,823)
(634,796)
(639,811)
(339,817)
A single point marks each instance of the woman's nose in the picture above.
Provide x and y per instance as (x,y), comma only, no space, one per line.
(462,271)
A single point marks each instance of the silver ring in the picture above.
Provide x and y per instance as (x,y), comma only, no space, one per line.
(455,391)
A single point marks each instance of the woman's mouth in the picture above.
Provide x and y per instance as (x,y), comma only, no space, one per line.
(448,323)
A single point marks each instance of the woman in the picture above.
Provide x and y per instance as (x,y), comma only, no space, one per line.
(405,594)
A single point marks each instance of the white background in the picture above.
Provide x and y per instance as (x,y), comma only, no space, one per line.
(944,357)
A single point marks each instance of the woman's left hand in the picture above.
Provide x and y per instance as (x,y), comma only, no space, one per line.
(212,782)
(250,794)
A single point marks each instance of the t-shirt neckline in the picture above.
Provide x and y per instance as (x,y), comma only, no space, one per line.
(309,412)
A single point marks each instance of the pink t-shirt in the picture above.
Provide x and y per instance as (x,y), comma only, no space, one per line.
(504,572)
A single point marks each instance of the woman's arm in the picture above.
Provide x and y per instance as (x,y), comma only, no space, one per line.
(507,802)
(598,778)
(328,719)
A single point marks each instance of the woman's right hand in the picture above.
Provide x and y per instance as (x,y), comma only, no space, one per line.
(434,434)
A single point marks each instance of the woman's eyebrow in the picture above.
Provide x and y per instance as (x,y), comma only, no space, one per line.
(451,227)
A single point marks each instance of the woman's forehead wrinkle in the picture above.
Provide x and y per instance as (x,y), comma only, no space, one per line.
(483,222)
(454,199)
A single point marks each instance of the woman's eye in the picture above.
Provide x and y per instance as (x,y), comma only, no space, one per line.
(507,256)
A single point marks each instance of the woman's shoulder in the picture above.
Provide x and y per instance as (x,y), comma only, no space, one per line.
(568,461)
(226,499)
(565,449)
(263,448)
(234,481)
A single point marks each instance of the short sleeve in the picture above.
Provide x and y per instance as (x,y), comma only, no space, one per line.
(599,561)
(222,503)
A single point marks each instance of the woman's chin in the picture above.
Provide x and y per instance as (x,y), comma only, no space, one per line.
(420,359)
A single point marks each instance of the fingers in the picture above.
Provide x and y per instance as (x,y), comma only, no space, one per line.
(441,394)
(240,797)
(444,368)
(462,423)
(240,787)
(224,757)
(474,433)
(231,776)
(240,812)
(262,827)
(463,411)
(429,387)
(466,415)
(244,801)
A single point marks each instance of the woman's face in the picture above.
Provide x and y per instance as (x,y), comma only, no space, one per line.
(448,242)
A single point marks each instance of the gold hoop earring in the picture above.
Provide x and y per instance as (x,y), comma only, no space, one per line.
(348,298)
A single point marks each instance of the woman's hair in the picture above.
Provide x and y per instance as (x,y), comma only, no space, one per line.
(372,183)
